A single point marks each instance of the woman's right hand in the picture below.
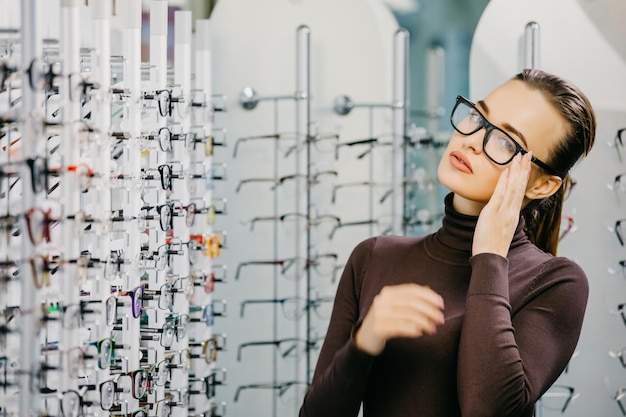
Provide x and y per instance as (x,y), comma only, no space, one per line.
(405,310)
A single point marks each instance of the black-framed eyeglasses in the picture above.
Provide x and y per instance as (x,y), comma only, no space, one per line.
(41,74)
(108,390)
(287,347)
(622,264)
(294,268)
(181,324)
(620,355)
(619,398)
(164,295)
(621,310)
(619,183)
(178,209)
(209,383)
(294,308)
(166,98)
(618,230)
(71,403)
(164,213)
(164,334)
(558,397)
(281,387)
(498,145)
(167,135)
(619,142)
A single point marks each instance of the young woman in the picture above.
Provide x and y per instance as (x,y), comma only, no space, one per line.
(481,317)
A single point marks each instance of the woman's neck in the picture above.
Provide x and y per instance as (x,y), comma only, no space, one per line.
(467,207)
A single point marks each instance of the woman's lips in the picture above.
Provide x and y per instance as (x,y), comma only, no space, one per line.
(460,162)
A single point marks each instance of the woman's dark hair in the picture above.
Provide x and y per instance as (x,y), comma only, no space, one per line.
(543,217)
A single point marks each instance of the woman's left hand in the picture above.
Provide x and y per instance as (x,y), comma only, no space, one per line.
(499,218)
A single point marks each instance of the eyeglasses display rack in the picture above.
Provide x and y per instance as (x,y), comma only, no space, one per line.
(298,234)
(298,263)
(108,241)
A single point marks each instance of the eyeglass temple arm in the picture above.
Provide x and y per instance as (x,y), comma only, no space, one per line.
(249,180)
(256,343)
(365,141)
(258,301)
(242,264)
(350,184)
(358,223)
(247,138)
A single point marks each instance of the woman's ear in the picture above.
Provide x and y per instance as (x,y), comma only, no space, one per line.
(542,186)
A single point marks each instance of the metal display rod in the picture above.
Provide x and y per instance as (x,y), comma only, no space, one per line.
(399,110)
(531,40)
(249,98)
(303,197)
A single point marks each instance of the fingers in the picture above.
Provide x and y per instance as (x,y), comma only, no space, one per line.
(500,216)
(405,310)
(518,180)
(416,305)
(500,191)
(511,186)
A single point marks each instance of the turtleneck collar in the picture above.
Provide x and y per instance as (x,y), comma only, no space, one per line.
(453,241)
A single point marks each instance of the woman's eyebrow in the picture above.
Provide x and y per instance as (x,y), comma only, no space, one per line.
(505,125)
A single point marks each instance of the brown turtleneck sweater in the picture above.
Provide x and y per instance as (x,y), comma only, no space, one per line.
(511,327)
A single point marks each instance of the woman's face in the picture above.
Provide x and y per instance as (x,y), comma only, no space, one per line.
(522,113)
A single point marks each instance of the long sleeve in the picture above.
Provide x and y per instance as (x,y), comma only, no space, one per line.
(511,355)
(341,373)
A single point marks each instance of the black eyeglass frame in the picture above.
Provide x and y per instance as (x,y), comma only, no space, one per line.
(490,127)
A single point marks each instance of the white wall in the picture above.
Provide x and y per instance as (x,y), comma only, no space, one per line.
(584,42)
(572,45)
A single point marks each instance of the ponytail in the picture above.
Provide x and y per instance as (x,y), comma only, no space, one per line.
(543,217)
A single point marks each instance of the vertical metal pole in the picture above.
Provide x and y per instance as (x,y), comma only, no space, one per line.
(303,166)
(399,110)
(31,46)
(532,36)
(435,86)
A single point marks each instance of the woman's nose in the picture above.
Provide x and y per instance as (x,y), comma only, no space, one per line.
(475,140)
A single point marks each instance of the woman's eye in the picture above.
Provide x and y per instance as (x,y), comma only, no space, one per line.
(507,144)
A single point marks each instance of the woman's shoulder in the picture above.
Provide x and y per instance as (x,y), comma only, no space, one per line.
(562,267)
(558,273)
(545,263)
(548,264)
(386,243)
(540,275)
